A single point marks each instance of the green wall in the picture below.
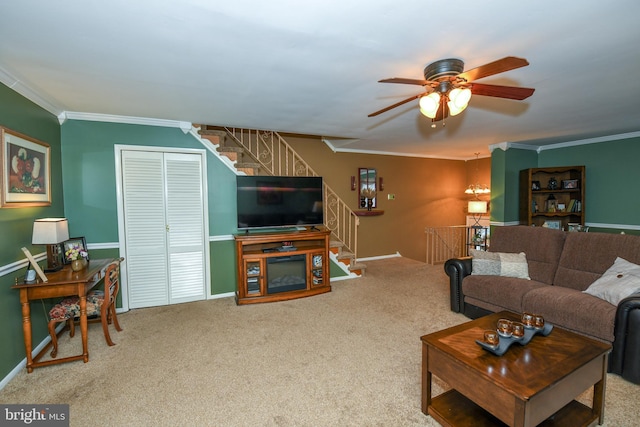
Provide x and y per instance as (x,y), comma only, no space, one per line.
(90,186)
(611,174)
(16,225)
(610,167)
(88,163)
(90,181)
(505,176)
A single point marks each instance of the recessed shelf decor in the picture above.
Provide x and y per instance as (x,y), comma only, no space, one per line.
(369,213)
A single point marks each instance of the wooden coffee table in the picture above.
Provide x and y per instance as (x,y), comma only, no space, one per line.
(529,385)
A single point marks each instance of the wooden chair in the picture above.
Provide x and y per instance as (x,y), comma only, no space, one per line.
(101,307)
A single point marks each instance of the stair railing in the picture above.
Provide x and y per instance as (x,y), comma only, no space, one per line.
(446,242)
(277,157)
(454,241)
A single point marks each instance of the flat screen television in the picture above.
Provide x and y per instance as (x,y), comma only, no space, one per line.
(279,201)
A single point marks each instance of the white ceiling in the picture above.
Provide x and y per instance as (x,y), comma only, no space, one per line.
(311,67)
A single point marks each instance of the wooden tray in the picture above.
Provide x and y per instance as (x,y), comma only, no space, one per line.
(505,342)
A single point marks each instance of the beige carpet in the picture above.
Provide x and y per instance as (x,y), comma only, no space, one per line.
(347,358)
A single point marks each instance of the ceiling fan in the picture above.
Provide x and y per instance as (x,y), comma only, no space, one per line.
(449,89)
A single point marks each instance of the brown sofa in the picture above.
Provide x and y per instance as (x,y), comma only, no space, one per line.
(561,265)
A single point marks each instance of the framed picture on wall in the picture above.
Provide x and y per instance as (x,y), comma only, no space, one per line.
(26,171)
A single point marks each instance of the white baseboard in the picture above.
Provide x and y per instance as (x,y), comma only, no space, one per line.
(225,295)
(373,258)
(23,364)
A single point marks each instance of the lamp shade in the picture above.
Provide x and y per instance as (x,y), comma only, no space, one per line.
(477,206)
(49,231)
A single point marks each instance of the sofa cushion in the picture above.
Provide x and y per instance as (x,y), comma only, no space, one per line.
(573,310)
(499,264)
(586,256)
(621,280)
(542,246)
(504,292)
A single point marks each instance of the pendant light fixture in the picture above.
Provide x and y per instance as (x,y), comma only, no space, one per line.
(477,188)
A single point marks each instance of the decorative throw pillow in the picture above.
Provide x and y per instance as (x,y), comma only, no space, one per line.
(499,264)
(618,282)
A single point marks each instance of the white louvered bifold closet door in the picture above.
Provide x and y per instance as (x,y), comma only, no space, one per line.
(164,233)
(185,218)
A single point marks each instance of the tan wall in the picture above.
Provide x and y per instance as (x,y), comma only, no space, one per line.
(428,192)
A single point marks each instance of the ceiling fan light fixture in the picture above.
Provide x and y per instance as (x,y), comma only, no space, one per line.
(460,96)
(430,114)
(454,110)
(448,79)
(458,100)
(429,104)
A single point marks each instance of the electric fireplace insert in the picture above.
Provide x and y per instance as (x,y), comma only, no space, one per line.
(286,273)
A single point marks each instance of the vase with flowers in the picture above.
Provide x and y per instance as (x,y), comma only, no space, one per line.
(78,257)
(369,194)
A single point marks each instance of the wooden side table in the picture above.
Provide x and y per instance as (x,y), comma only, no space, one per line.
(65,282)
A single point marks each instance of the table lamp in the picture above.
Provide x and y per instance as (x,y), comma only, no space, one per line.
(51,232)
(477,208)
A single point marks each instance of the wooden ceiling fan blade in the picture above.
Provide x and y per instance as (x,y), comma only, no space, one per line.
(405,81)
(495,67)
(509,92)
(397,104)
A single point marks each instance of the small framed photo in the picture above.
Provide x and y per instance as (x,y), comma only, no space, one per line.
(535,185)
(569,184)
(73,246)
(35,265)
(555,224)
(561,207)
(573,226)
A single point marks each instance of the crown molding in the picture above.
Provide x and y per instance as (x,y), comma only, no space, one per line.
(23,89)
(586,141)
(111,118)
(504,146)
(385,153)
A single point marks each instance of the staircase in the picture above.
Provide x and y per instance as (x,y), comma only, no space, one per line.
(257,152)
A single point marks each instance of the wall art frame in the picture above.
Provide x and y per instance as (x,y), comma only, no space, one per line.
(25,178)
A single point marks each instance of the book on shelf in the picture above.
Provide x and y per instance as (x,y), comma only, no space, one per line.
(574,206)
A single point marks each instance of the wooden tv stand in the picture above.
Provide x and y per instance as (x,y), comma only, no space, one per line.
(300,259)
